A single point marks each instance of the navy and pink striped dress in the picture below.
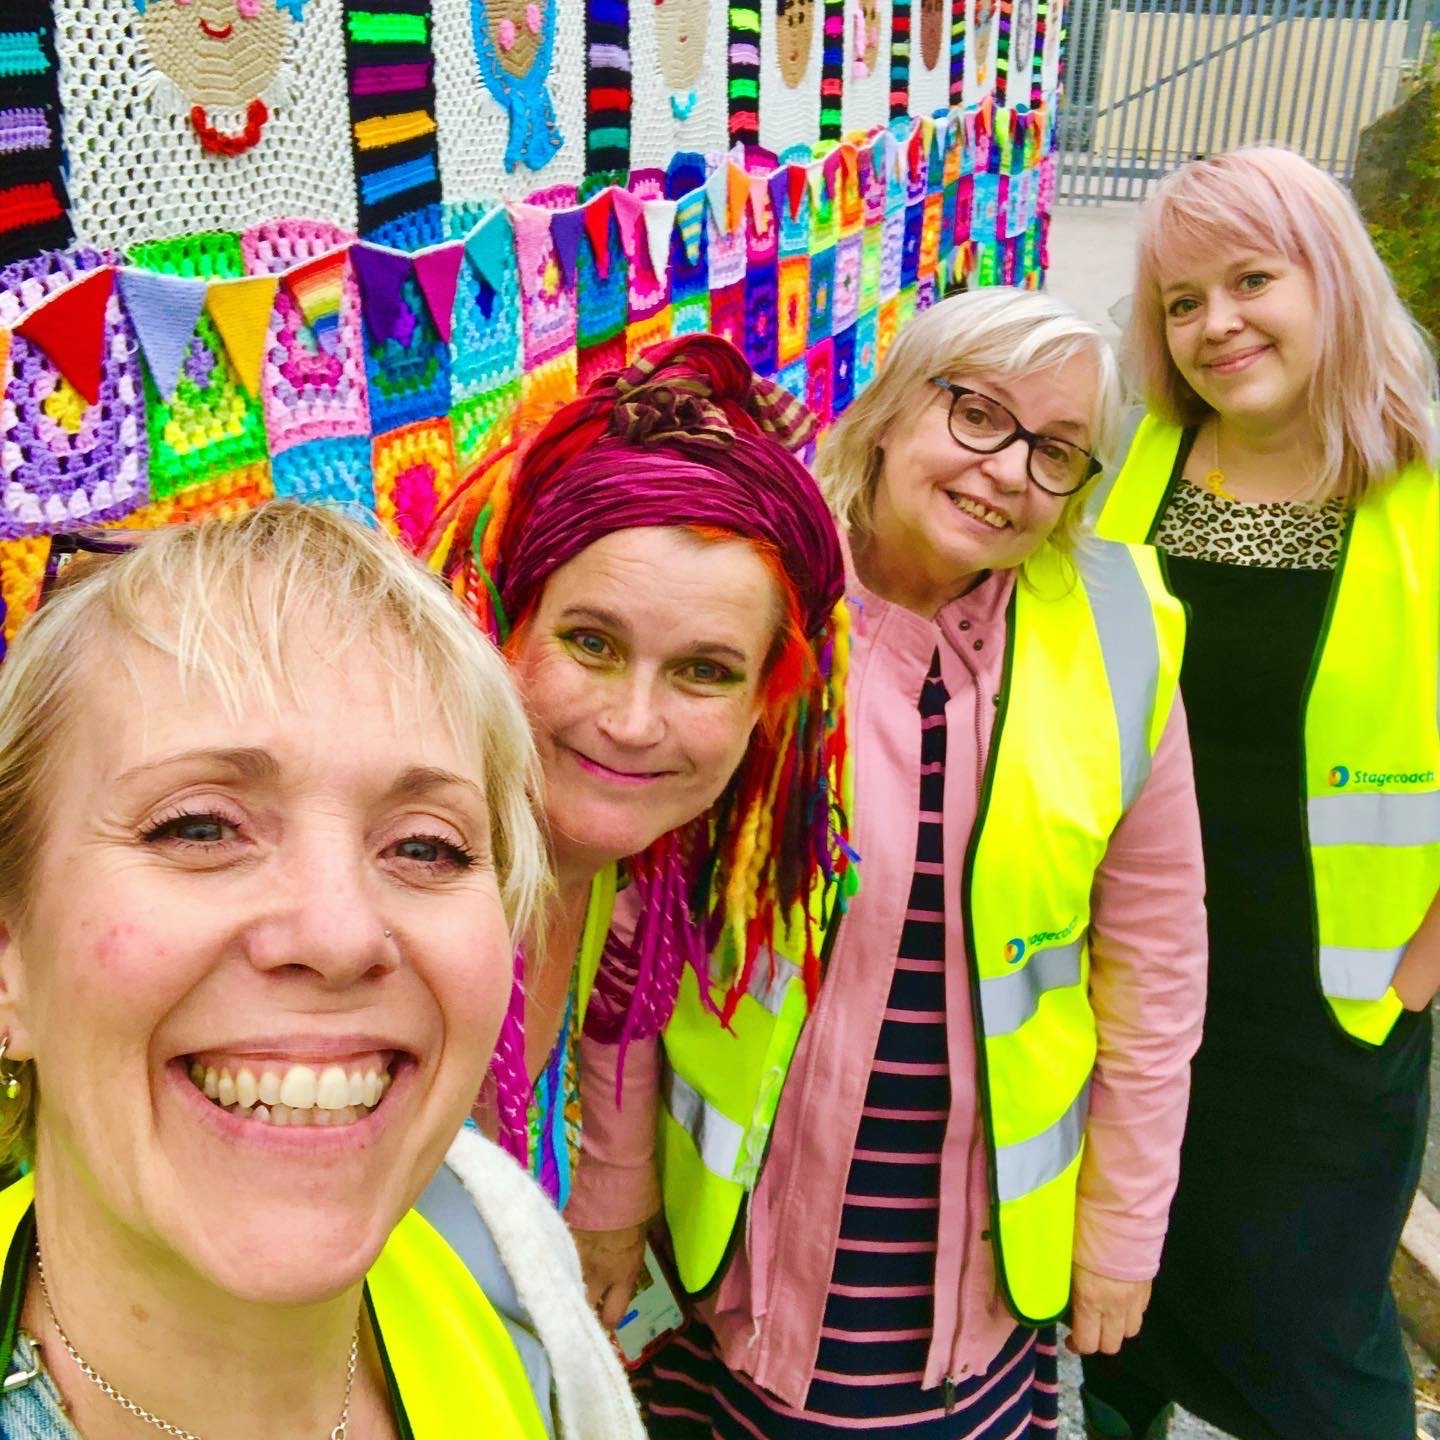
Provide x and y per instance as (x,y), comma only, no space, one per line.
(879,1312)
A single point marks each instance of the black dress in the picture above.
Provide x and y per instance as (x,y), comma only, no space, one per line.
(1272,1316)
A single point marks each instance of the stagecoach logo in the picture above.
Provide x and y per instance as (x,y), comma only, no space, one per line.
(1018,948)
(1341,776)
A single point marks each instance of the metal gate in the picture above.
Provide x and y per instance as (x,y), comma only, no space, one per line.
(1152,83)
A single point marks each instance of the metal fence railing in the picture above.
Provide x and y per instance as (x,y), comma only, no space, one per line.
(1151,83)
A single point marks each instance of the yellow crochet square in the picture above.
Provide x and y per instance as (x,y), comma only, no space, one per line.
(645,333)
(415,474)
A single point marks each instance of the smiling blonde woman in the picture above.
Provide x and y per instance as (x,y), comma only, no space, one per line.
(981,1126)
(265,831)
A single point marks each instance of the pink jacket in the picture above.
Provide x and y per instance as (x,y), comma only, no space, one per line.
(1147,987)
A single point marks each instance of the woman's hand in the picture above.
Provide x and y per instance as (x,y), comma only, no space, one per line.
(1418,976)
(1104,1312)
(611,1260)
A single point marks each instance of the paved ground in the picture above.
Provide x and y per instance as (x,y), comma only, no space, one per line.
(1185,1427)
(1092,260)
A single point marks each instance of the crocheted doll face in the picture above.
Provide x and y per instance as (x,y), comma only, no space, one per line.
(217,52)
(641,668)
(680,29)
(261,973)
(870,51)
(1022,41)
(932,30)
(944,513)
(516,28)
(794,34)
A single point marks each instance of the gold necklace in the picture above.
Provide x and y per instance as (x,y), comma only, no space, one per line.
(342,1426)
(1215,480)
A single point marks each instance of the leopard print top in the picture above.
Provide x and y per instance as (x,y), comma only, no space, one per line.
(1279,536)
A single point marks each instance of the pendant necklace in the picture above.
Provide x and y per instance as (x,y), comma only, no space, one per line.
(1214,481)
(342,1426)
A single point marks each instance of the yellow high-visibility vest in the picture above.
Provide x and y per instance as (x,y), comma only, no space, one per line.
(1371,740)
(1091,669)
(454,1367)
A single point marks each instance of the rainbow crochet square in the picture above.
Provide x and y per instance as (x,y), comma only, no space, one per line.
(641,334)
(910,245)
(872,254)
(932,214)
(545,388)
(690,316)
(822,294)
(327,472)
(794,308)
(889,325)
(842,367)
(727,313)
(867,347)
(849,255)
(892,253)
(762,297)
(312,382)
(483,423)
(820,380)
(408,371)
(67,462)
(415,473)
(793,378)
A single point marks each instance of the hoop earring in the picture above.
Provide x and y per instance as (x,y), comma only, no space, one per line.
(9,1080)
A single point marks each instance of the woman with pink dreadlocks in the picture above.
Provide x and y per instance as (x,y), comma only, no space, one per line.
(663,574)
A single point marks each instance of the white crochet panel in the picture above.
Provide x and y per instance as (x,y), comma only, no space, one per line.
(790,113)
(866,98)
(929,88)
(474,128)
(1022,52)
(982,47)
(692,116)
(138,170)
(1054,29)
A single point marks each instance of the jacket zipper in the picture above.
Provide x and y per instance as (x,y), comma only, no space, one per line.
(948,1389)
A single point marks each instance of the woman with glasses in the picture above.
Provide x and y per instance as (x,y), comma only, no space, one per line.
(982,1121)
(1287,470)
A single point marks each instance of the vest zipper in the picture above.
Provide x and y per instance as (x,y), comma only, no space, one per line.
(948,1388)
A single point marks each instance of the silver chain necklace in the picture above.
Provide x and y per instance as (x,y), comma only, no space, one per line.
(340,1432)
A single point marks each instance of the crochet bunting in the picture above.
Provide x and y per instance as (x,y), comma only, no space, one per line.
(163,309)
(70,329)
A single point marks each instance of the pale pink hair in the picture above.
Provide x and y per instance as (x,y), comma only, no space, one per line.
(1374,392)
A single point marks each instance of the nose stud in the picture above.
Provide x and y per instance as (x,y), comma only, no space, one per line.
(389,934)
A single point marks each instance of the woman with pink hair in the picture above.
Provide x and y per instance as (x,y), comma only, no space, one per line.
(661,570)
(1287,470)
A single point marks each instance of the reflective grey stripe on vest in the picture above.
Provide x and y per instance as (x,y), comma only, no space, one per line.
(718,1139)
(1350,973)
(1008,1001)
(1095,501)
(767,989)
(1358,819)
(447,1205)
(1029,1164)
(1125,624)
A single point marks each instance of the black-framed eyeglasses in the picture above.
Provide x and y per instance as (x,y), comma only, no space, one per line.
(66,546)
(985,426)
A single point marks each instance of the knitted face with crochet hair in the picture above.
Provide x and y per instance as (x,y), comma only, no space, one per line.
(218,52)
(680,30)
(515,31)
(794,36)
(932,30)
